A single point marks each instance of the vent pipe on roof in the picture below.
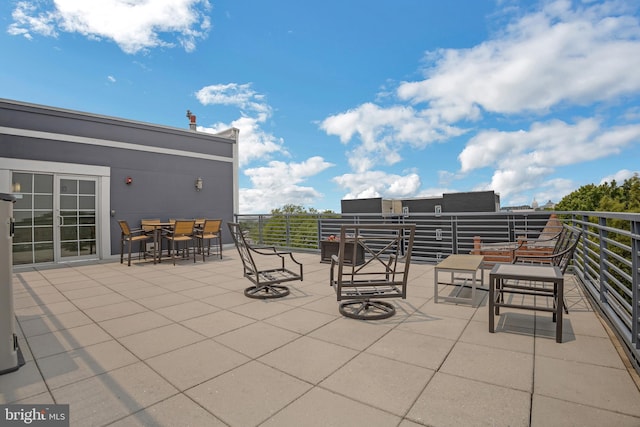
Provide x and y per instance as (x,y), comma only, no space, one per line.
(192,121)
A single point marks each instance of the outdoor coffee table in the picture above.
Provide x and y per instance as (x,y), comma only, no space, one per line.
(460,265)
(507,279)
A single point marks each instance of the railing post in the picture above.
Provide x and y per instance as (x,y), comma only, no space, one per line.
(287,232)
(602,236)
(454,235)
(635,279)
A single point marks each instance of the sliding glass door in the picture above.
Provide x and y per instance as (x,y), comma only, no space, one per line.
(55,218)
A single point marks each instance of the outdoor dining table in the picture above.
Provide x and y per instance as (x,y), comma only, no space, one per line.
(157,234)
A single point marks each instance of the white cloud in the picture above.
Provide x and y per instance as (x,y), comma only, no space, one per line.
(278,184)
(555,56)
(254,143)
(133,25)
(378,184)
(523,159)
(111,79)
(234,94)
(564,55)
(619,176)
(383,131)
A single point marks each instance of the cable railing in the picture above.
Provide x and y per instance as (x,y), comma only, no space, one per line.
(606,261)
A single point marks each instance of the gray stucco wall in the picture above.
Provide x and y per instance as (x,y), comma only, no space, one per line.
(163,184)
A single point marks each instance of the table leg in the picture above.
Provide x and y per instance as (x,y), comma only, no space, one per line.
(155,244)
(491,303)
(560,310)
(435,291)
(473,289)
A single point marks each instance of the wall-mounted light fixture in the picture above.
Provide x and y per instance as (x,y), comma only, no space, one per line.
(128,180)
(198,184)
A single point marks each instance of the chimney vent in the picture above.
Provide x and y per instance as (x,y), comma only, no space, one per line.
(192,120)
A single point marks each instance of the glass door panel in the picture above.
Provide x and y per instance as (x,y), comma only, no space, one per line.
(76,218)
(33,214)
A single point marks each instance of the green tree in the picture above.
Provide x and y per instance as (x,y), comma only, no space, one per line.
(293,226)
(608,197)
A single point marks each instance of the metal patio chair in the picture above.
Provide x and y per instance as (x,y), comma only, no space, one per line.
(129,236)
(265,267)
(384,273)
(211,230)
(182,232)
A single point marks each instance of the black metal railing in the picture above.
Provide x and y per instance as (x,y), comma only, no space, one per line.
(607,259)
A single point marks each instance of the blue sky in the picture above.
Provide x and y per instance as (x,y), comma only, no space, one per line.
(343,99)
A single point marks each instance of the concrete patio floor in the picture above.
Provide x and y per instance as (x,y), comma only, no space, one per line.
(164,345)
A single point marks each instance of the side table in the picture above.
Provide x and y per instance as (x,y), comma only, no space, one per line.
(505,279)
(460,264)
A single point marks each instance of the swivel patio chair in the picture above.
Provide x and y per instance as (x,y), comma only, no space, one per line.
(182,232)
(270,270)
(211,229)
(383,274)
(131,235)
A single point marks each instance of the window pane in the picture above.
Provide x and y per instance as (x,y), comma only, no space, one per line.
(23,201)
(87,202)
(44,252)
(22,182)
(22,254)
(43,202)
(87,247)
(69,249)
(69,233)
(22,235)
(43,218)
(87,218)
(68,186)
(43,183)
(22,218)
(43,234)
(68,202)
(87,233)
(87,187)
(69,217)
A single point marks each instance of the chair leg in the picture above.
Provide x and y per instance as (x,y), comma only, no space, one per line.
(129,263)
(121,250)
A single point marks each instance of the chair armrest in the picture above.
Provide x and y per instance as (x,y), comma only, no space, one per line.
(136,231)
(542,258)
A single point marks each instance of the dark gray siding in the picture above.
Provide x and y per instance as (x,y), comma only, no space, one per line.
(373,205)
(163,184)
(474,201)
(422,205)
